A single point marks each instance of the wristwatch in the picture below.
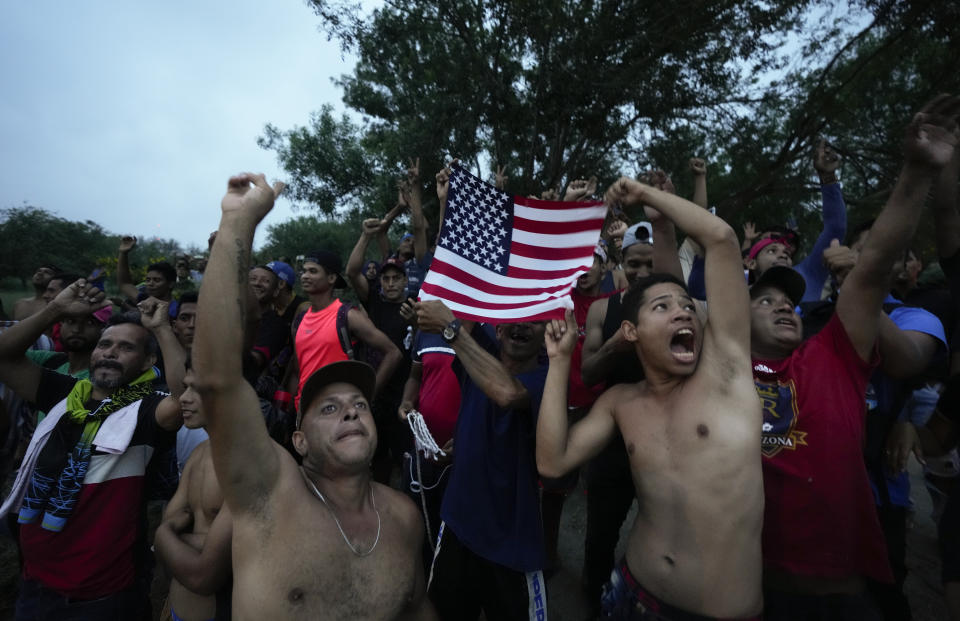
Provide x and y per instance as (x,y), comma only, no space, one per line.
(451,331)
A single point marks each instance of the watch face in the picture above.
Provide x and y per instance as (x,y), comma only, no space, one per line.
(450,332)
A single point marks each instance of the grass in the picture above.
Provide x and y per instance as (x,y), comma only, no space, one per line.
(12,294)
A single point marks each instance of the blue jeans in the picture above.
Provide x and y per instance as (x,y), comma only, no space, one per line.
(38,603)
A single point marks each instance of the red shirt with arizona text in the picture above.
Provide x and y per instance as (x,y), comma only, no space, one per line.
(819,517)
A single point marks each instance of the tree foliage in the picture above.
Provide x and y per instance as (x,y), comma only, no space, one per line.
(300,235)
(31,236)
(563,89)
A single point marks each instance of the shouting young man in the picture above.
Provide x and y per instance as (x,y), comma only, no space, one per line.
(691,428)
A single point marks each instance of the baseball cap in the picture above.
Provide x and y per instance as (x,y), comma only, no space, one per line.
(601,252)
(635,235)
(394,262)
(283,271)
(783,278)
(353,372)
(330,261)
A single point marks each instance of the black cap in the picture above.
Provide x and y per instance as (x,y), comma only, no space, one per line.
(354,372)
(784,278)
(330,261)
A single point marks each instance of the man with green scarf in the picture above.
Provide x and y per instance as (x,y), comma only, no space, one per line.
(79,495)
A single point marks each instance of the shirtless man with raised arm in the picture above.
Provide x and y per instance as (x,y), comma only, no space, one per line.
(691,428)
(321,541)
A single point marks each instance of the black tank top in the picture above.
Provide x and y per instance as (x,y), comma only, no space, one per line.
(627,369)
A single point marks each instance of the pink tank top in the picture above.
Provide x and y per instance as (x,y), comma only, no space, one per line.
(317,342)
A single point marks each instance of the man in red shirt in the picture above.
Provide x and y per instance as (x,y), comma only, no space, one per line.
(821,536)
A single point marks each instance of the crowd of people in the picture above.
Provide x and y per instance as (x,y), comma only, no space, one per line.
(329,446)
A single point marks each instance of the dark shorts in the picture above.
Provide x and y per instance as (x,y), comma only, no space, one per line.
(623,598)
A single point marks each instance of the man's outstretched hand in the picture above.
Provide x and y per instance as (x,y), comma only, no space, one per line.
(933,134)
(250,195)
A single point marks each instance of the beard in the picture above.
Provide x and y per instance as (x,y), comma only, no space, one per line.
(107,383)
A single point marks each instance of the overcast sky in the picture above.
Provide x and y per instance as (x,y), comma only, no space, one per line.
(133,114)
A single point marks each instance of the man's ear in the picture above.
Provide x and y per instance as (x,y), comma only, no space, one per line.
(629,331)
(751,264)
(299,441)
(149,361)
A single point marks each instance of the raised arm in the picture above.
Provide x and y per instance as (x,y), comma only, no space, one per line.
(946,217)
(698,168)
(689,249)
(418,222)
(928,146)
(486,371)
(443,188)
(363,328)
(124,279)
(813,268)
(371,227)
(16,370)
(246,463)
(559,449)
(155,318)
(725,285)
(666,258)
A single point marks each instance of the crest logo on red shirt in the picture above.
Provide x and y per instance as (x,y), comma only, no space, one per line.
(779,402)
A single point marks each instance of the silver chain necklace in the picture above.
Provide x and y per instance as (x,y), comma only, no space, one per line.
(316,491)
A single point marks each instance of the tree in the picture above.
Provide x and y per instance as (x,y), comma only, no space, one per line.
(300,235)
(562,89)
(525,85)
(31,236)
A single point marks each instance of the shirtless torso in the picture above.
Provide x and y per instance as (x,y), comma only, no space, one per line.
(24,307)
(204,499)
(695,542)
(291,562)
(691,427)
(321,541)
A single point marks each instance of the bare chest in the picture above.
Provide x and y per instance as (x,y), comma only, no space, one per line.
(205,496)
(691,432)
(304,569)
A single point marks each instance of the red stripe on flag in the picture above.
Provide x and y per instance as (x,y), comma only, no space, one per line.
(522,272)
(459,298)
(472,281)
(536,203)
(557,228)
(552,254)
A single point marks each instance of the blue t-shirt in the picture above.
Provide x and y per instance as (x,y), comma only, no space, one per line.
(492,502)
(885,398)
(416,272)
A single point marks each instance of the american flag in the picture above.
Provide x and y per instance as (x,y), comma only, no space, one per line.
(507,258)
